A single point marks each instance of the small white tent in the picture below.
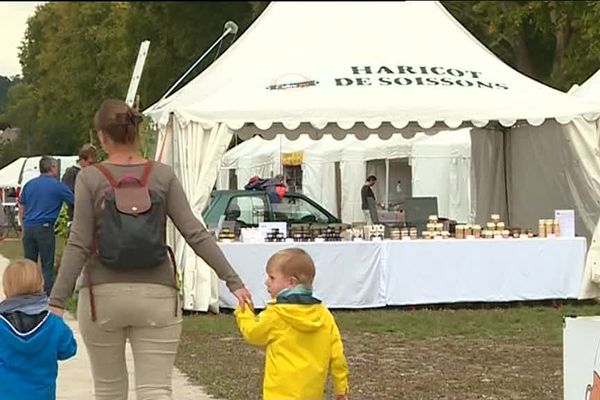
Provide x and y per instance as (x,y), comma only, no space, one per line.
(23,169)
(9,175)
(360,68)
(440,166)
(446,155)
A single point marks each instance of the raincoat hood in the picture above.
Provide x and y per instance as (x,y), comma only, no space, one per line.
(305,318)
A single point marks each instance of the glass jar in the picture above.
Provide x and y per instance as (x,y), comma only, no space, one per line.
(477,231)
(542,228)
(549,227)
(556,228)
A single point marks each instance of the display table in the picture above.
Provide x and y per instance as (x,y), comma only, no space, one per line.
(349,274)
(483,270)
(375,274)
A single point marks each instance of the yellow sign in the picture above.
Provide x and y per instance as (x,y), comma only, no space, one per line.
(293,159)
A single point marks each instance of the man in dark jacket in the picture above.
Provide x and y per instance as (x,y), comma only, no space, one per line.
(87,157)
(365,193)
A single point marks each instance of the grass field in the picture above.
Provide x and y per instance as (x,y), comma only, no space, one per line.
(510,351)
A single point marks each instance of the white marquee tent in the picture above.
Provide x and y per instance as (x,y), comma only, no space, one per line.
(9,175)
(440,166)
(20,171)
(558,167)
(357,68)
(583,141)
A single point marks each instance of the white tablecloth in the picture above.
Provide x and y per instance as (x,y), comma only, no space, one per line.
(349,275)
(488,270)
(375,274)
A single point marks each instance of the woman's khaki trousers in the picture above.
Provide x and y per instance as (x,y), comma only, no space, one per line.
(144,314)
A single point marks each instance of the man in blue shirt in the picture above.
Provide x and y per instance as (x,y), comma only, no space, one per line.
(39,205)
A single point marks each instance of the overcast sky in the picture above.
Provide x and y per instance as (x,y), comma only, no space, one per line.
(13,22)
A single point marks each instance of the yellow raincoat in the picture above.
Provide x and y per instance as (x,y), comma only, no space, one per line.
(302,344)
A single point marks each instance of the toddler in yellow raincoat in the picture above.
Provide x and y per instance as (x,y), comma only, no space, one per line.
(302,340)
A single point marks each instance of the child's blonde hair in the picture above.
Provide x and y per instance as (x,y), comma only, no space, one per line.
(295,263)
(22,277)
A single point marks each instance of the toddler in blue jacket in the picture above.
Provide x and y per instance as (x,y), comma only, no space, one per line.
(32,339)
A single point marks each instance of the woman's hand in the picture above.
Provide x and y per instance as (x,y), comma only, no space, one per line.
(244,298)
(56,311)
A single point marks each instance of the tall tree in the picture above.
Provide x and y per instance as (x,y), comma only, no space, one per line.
(5,84)
(21,111)
(179,33)
(555,42)
(74,55)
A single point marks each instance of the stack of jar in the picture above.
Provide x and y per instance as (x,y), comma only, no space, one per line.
(467,232)
(375,232)
(412,233)
(274,236)
(300,233)
(496,229)
(435,229)
(403,233)
(331,234)
(356,234)
(548,228)
(226,235)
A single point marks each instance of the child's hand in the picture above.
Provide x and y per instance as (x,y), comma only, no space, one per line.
(341,397)
(244,298)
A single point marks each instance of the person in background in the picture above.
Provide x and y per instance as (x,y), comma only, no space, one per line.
(365,193)
(33,340)
(87,156)
(39,205)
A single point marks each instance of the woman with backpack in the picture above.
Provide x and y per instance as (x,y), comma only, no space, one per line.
(118,239)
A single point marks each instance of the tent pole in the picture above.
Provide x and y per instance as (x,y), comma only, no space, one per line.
(230,27)
(387,184)
(505,150)
(137,73)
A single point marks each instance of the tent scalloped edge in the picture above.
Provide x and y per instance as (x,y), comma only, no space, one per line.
(452,123)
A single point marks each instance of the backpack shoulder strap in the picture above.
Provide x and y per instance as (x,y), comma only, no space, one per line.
(113,182)
(146,174)
(109,177)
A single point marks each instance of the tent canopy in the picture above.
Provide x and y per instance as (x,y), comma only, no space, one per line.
(9,175)
(363,62)
(590,89)
(20,171)
(382,68)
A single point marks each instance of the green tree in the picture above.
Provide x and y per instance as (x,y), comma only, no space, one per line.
(77,54)
(21,110)
(555,42)
(5,84)
(179,33)
(64,57)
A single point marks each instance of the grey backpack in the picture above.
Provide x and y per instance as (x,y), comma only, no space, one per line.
(133,223)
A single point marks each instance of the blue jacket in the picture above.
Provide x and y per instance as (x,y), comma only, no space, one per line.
(28,361)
